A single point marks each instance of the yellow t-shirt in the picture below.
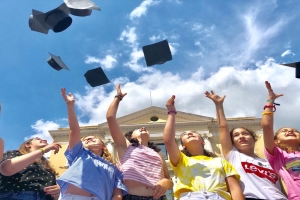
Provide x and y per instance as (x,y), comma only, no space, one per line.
(202,173)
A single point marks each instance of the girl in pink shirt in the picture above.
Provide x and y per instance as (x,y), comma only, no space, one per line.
(283,152)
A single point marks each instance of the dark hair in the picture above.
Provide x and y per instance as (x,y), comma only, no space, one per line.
(43,161)
(252,133)
(206,153)
(134,142)
(284,147)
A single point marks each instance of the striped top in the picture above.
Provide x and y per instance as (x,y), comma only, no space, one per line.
(142,164)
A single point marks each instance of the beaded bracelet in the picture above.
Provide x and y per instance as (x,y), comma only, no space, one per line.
(172,111)
(270,106)
(267,113)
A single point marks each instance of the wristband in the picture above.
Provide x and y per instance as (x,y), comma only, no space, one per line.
(119,96)
(172,111)
(267,113)
(43,150)
(271,101)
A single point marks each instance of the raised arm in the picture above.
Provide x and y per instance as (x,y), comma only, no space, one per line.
(267,120)
(114,128)
(225,138)
(1,148)
(12,166)
(169,133)
(74,137)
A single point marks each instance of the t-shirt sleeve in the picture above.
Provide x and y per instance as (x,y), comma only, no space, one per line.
(119,182)
(229,169)
(277,156)
(175,168)
(9,155)
(73,153)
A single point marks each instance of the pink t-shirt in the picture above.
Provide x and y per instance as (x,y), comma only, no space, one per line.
(142,164)
(287,165)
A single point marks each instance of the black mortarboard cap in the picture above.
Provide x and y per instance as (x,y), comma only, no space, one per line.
(157,53)
(57,19)
(294,65)
(56,62)
(96,77)
(81,8)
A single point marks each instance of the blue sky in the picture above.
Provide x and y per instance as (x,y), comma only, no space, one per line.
(231,47)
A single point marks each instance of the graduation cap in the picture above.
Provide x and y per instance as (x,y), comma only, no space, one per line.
(157,53)
(57,19)
(294,65)
(96,77)
(81,8)
(56,62)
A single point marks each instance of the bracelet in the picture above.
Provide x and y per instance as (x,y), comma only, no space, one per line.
(271,101)
(270,106)
(172,111)
(267,113)
(119,96)
(43,150)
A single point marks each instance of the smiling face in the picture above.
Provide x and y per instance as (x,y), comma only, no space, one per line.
(36,143)
(288,136)
(92,142)
(243,140)
(189,137)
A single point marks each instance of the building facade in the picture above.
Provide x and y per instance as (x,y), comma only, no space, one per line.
(154,119)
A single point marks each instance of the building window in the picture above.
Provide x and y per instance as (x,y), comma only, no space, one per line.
(163,150)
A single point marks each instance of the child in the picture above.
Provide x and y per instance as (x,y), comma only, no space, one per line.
(145,171)
(200,175)
(91,175)
(283,153)
(238,149)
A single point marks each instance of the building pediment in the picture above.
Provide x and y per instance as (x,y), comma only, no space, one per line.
(155,114)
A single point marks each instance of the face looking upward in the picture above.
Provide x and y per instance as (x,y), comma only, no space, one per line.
(288,136)
(243,140)
(141,134)
(191,137)
(36,143)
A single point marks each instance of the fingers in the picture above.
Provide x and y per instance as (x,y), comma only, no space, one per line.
(158,191)
(123,95)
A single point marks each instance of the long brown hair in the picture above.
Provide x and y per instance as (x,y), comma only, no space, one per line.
(206,153)
(284,147)
(105,153)
(43,161)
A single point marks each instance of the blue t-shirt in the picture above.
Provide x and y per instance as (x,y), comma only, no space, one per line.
(91,173)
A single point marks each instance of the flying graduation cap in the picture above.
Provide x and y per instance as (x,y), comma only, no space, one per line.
(157,53)
(56,62)
(81,8)
(294,65)
(57,19)
(96,77)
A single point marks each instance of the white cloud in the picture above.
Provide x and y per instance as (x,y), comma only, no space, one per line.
(129,36)
(287,52)
(142,9)
(154,38)
(108,62)
(173,47)
(41,129)
(245,90)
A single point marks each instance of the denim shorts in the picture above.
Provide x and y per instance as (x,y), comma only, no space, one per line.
(135,197)
(22,195)
(200,195)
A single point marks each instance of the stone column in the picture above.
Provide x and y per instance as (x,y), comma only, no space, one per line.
(207,142)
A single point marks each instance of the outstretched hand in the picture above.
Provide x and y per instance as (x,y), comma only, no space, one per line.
(54,146)
(214,97)
(271,95)
(68,98)
(119,92)
(171,104)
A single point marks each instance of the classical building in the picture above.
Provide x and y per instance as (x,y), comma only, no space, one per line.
(154,119)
